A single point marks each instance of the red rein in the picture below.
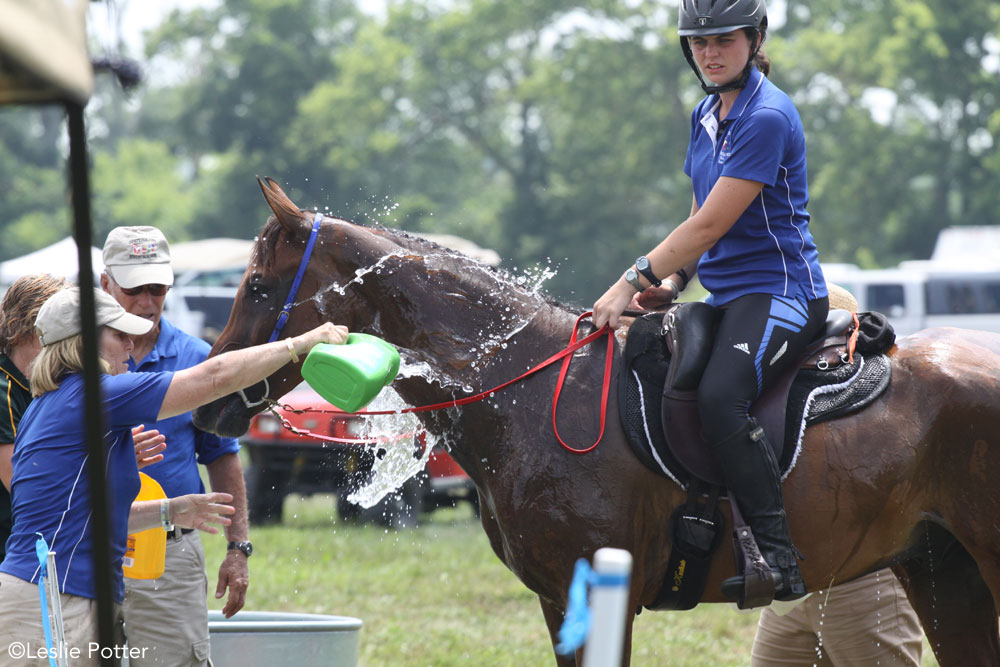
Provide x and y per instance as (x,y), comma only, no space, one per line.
(566,355)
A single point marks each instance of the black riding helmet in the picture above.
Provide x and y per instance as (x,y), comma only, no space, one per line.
(714,17)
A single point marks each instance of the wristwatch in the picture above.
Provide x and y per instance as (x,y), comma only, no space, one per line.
(632,277)
(642,264)
(245,547)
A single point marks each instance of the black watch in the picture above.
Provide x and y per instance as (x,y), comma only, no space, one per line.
(245,547)
(642,264)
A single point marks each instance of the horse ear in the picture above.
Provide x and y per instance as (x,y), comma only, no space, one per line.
(287,213)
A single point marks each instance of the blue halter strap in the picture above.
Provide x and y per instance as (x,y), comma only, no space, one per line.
(283,315)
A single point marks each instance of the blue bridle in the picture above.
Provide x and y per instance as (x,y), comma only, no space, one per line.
(293,292)
(286,309)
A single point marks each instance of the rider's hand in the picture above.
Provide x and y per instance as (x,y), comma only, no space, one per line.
(652,298)
(609,307)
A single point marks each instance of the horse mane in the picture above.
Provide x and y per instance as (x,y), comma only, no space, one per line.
(414,242)
(266,244)
(265,249)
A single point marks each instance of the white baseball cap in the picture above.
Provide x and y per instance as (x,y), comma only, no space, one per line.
(135,256)
(59,316)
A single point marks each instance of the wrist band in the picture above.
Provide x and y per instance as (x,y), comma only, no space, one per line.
(684,276)
(165,515)
(291,350)
(673,286)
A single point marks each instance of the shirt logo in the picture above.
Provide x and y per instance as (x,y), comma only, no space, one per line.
(726,150)
(742,347)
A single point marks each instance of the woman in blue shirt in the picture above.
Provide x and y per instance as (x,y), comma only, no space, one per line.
(50,485)
(748,239)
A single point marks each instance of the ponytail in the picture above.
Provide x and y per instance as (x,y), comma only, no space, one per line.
(762,62)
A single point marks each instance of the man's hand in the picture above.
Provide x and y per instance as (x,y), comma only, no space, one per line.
(226,474)
(148,446)
(234,574)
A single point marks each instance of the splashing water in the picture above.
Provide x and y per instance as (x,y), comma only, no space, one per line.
(403,456)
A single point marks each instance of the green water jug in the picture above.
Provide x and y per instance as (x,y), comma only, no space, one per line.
(351,375)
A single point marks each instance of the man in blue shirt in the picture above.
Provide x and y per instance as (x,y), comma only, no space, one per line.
(168,615)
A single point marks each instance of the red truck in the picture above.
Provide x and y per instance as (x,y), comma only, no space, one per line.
(282,463)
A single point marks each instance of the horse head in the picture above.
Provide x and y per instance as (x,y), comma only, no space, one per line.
(443,310)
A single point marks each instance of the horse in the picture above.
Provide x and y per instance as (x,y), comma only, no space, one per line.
(905,483)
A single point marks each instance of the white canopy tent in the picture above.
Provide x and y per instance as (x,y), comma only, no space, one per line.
(59,259)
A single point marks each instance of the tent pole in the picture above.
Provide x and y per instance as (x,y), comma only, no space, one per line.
(94,420)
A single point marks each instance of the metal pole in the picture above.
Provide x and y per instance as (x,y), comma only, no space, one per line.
(55,602)
(93,405)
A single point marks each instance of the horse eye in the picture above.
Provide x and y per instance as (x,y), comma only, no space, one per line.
(258,292)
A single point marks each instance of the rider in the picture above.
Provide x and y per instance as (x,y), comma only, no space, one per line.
(748,239)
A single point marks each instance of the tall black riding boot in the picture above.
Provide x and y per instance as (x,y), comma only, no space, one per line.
(751,473)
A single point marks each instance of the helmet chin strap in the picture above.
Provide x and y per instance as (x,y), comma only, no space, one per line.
(736,83)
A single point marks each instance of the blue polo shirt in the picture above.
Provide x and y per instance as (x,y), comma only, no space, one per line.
(187,446)
(769,249)
(50,491)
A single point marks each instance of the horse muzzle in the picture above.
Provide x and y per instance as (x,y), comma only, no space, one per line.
(228,416)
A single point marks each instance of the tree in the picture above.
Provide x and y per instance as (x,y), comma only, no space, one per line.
(888,177)
(35,211)
(247,63)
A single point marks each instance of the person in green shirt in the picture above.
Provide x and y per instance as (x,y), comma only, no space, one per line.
(19,345)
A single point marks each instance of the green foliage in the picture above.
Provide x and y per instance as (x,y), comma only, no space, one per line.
(32,176)
(553,131)
(140,183)
(883,188)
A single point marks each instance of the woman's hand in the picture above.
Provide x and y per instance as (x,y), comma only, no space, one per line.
(328,332)
(148,445)
(609,307)
(652,298)
(200,510)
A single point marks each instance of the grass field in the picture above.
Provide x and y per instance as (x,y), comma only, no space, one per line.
(437,595)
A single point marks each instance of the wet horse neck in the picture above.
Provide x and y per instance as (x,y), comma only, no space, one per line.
(483,434)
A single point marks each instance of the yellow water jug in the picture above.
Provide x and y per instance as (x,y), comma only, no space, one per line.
(146,550)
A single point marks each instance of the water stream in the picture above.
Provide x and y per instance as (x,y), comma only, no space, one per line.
(399,454)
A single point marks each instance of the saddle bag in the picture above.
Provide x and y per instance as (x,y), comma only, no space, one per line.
(689,329)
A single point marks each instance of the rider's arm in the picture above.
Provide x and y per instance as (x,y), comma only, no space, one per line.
(704,227)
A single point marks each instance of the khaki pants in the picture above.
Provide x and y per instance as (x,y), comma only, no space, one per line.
(22,639)
(168,617)
(864,622)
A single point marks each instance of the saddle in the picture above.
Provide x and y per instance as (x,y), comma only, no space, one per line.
(664,357)
(688,338)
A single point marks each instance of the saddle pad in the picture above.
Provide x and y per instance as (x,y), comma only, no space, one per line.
(815,396)
(820,401)
(645,362)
